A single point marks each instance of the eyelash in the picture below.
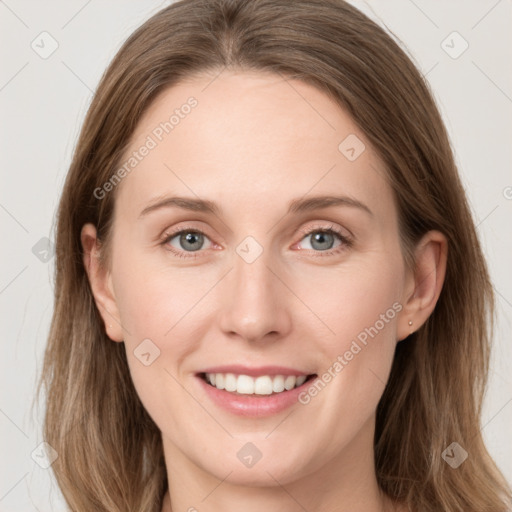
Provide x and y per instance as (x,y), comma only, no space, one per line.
(346,242)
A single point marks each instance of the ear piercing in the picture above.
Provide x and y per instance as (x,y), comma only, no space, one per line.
(410,323)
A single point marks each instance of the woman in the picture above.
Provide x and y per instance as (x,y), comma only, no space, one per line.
(266,264)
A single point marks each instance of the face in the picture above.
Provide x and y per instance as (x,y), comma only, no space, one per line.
(288,303)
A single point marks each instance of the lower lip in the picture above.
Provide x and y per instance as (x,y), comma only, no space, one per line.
(253,405)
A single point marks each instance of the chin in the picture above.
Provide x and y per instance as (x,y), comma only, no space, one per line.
(268,471)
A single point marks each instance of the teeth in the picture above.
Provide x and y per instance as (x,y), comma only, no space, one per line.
(278,384)
(218,380)
(300,380)
(230,382)
(289,382)
(245,385)
(263,385)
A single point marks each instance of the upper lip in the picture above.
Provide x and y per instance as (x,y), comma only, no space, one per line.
(255,371)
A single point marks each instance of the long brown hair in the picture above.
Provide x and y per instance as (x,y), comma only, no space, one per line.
(110,450)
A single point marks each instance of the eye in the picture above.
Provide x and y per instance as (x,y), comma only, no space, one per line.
(323,240)
(186,240)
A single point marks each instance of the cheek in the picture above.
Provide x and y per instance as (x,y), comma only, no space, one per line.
(362,311)
(153,299)
(360,297)
(153,306)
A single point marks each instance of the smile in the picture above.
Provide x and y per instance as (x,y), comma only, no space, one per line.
(247,385)
(255,392)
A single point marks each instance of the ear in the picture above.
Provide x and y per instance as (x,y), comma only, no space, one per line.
(423,284)
(101,283)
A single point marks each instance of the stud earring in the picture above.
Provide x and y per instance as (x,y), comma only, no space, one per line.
(410,323)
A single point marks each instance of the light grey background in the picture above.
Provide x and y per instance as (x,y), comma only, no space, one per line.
(42,105)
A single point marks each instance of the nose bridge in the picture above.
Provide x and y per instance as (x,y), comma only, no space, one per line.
(256,305)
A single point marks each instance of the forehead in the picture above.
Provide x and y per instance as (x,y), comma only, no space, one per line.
(252,140)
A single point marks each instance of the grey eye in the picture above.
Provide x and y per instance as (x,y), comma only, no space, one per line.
(187,240)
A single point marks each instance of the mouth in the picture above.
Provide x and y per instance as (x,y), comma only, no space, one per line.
(263,385)
(254,392)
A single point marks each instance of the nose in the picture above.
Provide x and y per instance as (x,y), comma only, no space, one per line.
(256,305)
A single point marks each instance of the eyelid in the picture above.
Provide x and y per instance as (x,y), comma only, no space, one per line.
(179,228)
(323,227)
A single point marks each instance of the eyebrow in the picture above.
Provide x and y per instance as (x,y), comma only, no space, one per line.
(296,206)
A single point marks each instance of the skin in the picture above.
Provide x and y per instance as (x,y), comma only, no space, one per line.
(254,143)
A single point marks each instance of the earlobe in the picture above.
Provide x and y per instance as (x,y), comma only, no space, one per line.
(423,283)
(101,283)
